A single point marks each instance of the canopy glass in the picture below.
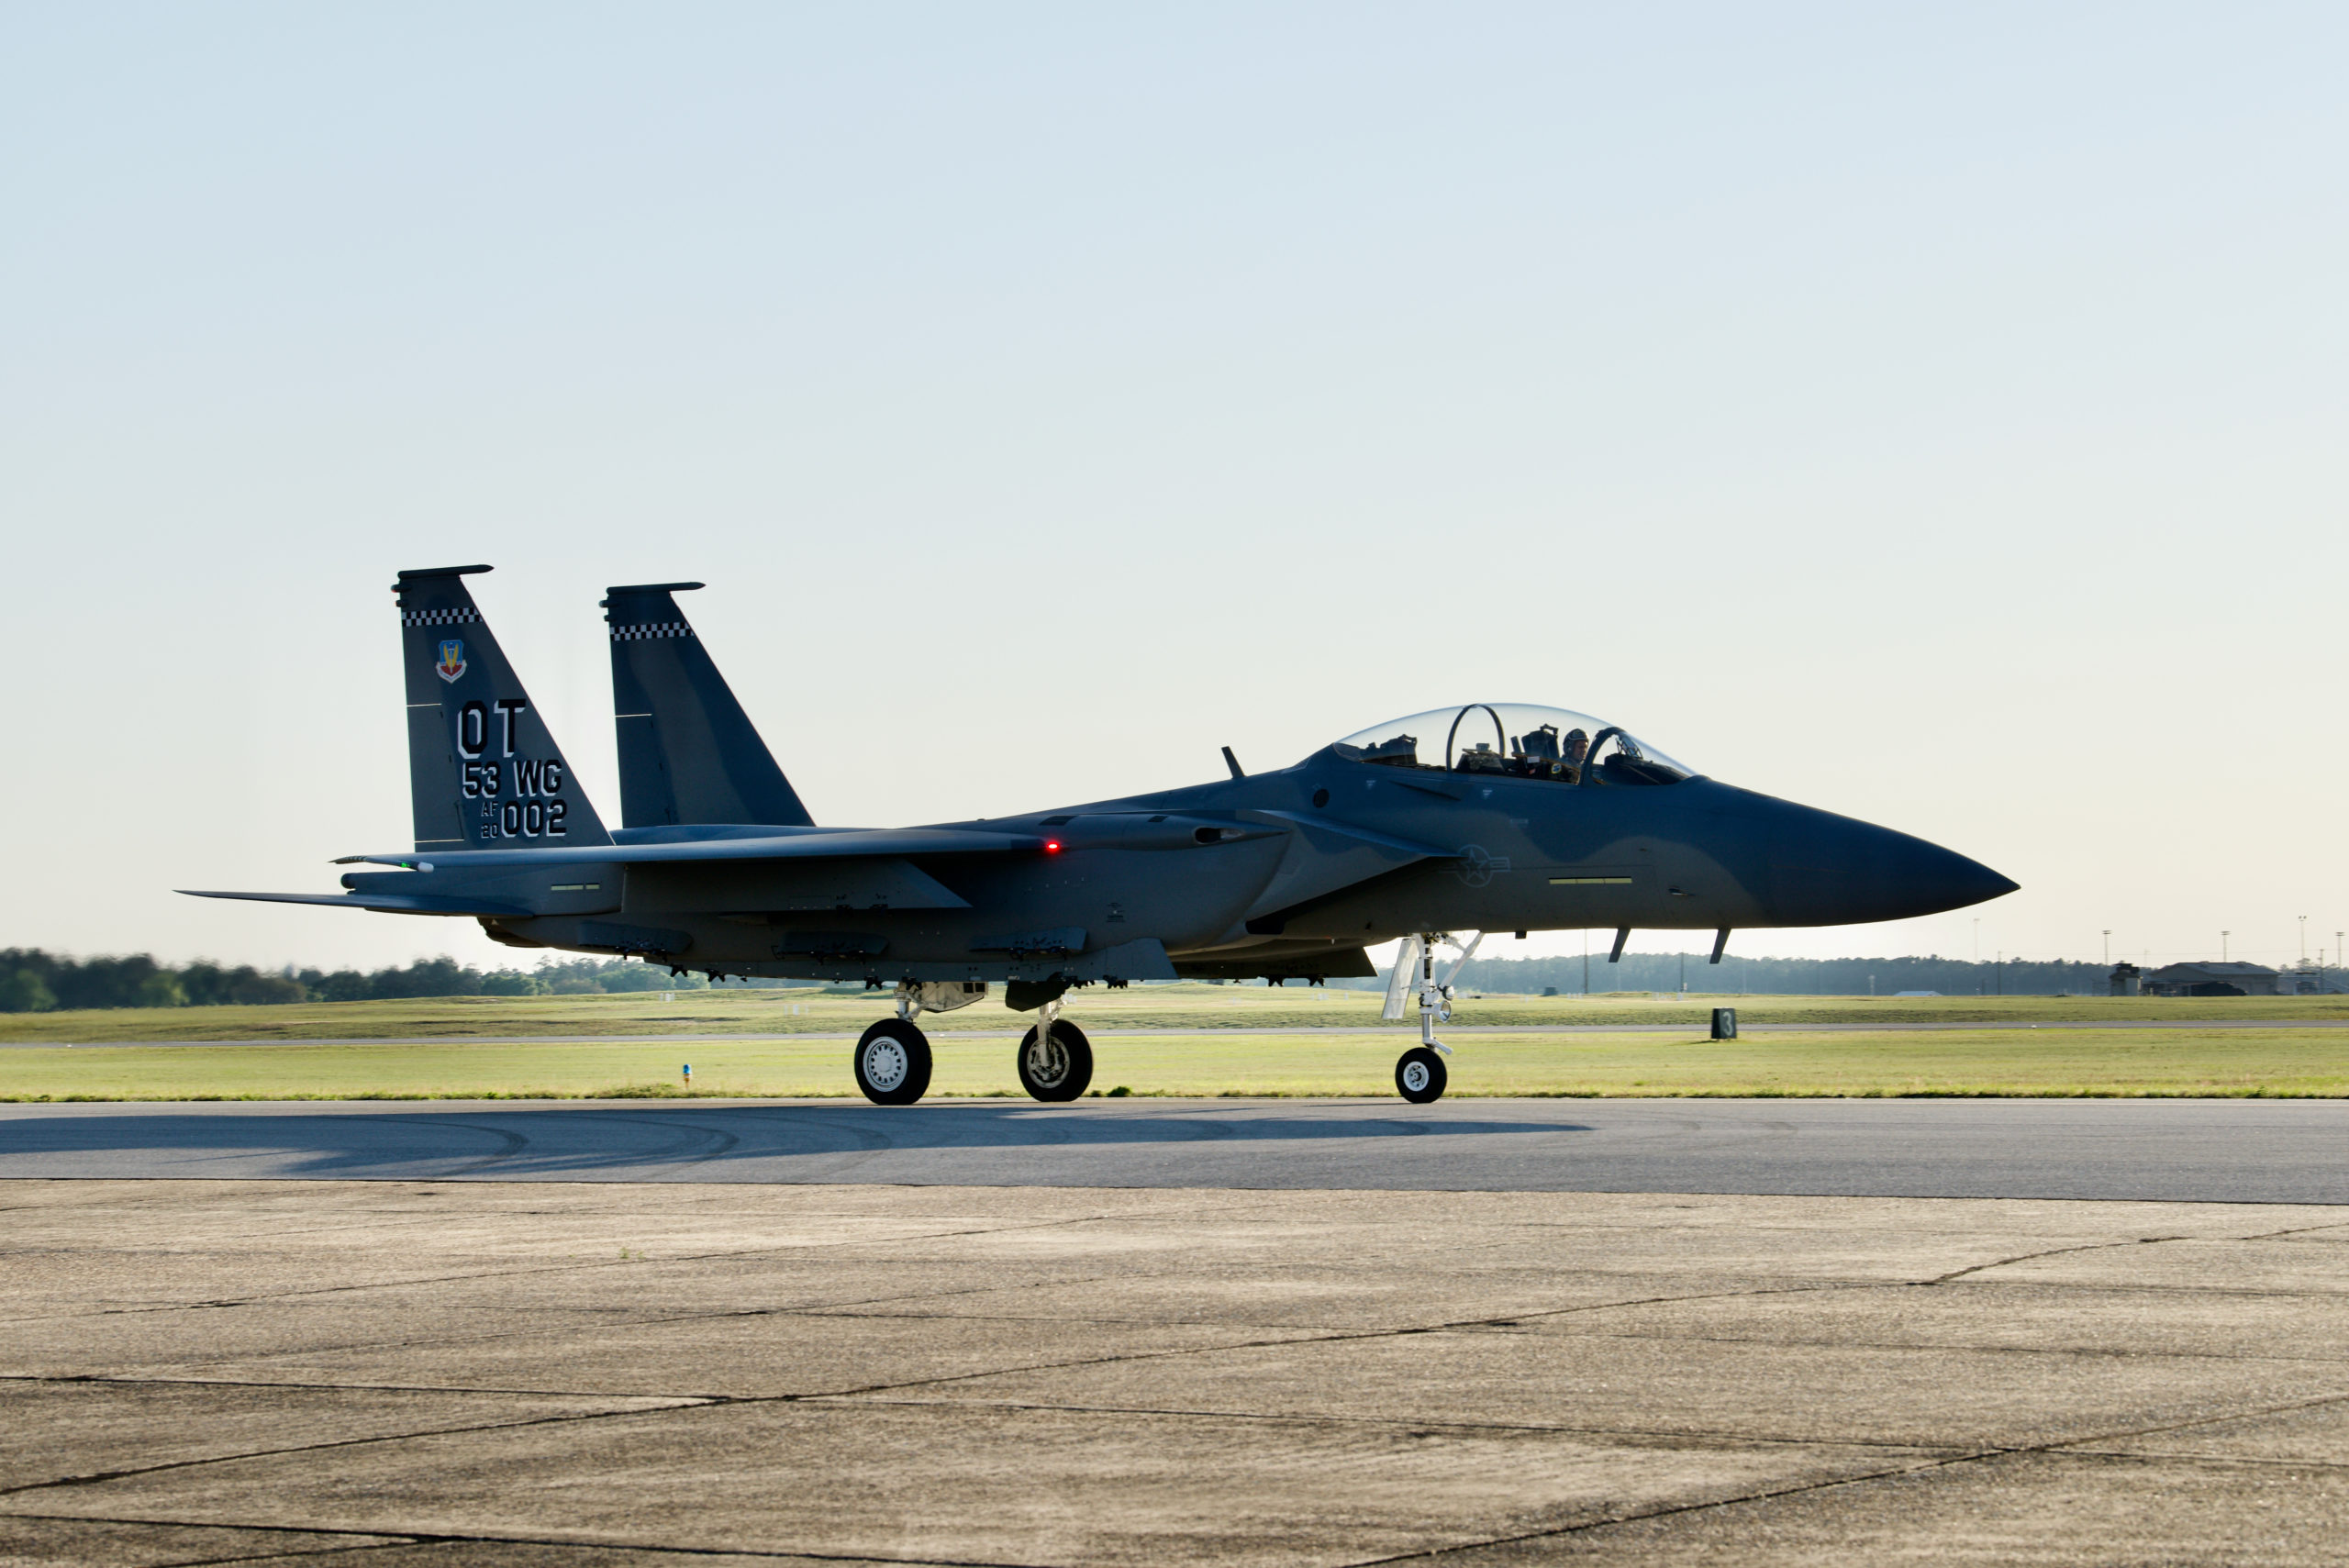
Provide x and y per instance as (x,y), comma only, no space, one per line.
(1517,740)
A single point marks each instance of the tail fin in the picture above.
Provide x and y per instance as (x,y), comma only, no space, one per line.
(483,769)
(688,752)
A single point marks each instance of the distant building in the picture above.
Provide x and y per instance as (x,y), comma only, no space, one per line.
(2306,979)
(2126,979)
(2213,980)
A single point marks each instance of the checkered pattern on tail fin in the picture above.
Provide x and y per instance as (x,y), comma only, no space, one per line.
(484,770)
(688,752)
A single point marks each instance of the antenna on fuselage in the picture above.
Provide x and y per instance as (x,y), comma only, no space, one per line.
(1233,763)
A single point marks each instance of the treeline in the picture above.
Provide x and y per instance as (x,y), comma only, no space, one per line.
(32,980)
(1788,976)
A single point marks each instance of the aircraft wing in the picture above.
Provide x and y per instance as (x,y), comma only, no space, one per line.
(861,842)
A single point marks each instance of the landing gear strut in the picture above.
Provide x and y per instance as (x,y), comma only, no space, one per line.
(1419,1072)
(1055,1059)
(892,1057)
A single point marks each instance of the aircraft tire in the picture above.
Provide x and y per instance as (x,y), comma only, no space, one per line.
(1419,1076)
(892,1062)
(1070,1070)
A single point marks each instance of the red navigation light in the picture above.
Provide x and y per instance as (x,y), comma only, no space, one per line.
(1052,846)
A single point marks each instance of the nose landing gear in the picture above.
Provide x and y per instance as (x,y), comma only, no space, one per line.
(1419,1076)
(1055,1059)
(1419,1072)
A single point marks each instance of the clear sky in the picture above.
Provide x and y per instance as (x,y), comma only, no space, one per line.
(1931,414)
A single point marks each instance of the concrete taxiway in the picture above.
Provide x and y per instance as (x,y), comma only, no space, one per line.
(396,1373)
(1143,1332)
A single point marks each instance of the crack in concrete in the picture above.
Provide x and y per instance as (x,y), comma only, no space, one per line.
(684,1401)
(2054,1253)
(614,1318)
(2295,1230)
(566,1266)
(395,1539)
(99,1478)
(2056,1449)
(1414,1424)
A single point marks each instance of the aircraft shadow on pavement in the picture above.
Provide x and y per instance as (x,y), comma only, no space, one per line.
(549,1140)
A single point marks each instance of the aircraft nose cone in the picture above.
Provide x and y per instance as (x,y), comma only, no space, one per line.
(1832,871)
(1934,879)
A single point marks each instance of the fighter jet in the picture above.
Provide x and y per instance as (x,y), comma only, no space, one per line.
(1429,830)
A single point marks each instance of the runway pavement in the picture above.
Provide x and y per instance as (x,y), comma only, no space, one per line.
(2182,1150)
(522,1374)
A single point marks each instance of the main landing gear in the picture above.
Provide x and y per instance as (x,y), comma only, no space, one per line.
(1419,1072)
(893,1061)
(892,1058)
(1055,1059)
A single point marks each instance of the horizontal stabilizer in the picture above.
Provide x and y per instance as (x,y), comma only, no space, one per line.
(382,903)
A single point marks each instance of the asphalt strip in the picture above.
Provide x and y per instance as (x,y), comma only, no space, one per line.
(2174,1151)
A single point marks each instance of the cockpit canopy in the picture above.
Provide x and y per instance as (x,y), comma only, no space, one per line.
(1517,740)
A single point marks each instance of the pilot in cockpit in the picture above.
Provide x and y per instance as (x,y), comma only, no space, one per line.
(1538,754)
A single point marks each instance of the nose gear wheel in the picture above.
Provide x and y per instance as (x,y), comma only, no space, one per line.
(1419,1076)
(893,1062)
(1061,1066)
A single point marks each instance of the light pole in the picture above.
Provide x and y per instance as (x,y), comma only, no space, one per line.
(2222,945)
(2304,938)
(2108,950)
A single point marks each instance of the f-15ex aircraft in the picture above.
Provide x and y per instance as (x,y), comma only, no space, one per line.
(1486,816)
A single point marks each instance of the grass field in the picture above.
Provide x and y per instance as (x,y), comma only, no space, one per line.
(1333,1044)
(813,1011)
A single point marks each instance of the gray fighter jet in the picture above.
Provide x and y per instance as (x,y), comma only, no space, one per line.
(1432,830)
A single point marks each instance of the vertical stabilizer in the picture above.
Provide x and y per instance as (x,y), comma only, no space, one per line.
(482,769)
(688,752)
